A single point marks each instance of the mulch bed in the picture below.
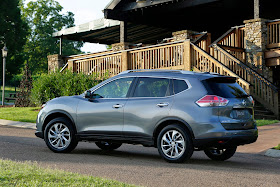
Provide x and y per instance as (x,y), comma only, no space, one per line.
(7,106)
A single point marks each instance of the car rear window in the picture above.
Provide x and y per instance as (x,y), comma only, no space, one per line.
(224,87)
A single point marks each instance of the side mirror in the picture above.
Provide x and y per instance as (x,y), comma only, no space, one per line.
(88,94)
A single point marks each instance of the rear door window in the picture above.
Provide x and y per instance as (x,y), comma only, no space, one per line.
(224,87)
(152,87)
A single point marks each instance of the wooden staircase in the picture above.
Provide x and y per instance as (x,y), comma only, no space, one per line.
(228,51)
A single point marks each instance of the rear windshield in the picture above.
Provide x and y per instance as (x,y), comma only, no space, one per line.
(226,88)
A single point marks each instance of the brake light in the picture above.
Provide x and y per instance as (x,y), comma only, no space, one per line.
(211,101)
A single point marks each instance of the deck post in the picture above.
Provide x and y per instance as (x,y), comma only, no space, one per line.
(123,31)
(55,62)
(60,46)
(71,66)
(125,61)
(256,9)
(187,55)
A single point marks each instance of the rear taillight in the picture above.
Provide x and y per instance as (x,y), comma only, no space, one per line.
(212,100)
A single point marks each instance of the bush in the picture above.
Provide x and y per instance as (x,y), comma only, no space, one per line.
(49,86)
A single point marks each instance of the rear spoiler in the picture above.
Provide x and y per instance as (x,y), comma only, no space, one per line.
(220,79)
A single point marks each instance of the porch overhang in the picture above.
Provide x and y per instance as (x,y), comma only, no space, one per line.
(200,15)
(105,31)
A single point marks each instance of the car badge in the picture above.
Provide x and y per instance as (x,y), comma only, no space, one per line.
(244,103)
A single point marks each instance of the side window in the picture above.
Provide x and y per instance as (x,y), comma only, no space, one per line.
(179,86)
(152,87)
(115,89)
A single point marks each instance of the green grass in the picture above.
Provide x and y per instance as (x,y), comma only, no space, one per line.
(30,174)
(8,90)
(23,114)
(264,122)
(277,147)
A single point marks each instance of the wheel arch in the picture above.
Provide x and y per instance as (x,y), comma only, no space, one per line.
(168,121)
(55,114)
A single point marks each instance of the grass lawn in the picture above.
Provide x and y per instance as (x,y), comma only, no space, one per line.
(277,147)
(23,114)
(29,174)
(8,90)
(263,122)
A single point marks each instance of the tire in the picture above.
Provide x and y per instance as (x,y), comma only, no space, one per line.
(59,135)
(220,154)
(107,146)
(174,144)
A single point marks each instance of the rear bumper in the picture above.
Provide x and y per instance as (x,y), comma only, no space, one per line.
(227,141)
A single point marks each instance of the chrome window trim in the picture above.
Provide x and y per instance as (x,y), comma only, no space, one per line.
(149,76)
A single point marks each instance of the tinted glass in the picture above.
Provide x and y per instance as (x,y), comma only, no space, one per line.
(152,87)
(224,89)
(179,86)
(115,89)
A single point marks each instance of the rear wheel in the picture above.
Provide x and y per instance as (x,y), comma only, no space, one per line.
(59,135)
(220,154)
(107,146)
(174,144)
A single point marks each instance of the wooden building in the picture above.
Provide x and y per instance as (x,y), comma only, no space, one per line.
(239,38)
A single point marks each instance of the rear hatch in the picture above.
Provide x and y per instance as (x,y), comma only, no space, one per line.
(238,114)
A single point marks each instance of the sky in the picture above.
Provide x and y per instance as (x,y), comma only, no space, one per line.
(85,11)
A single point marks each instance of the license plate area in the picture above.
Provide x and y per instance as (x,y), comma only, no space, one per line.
(241,113)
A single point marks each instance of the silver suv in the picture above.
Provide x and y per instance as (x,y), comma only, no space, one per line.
(175,111)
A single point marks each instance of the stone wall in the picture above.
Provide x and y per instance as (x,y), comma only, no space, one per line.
(255,45)
(183,35)
(55,62)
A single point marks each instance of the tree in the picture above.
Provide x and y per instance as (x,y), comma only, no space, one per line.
(44,18)
(13,31)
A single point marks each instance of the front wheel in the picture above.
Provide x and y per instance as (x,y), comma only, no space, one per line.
(220,154)
(174,144)
(107,146)
(59,135)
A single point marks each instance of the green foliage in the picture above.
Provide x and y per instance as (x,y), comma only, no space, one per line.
(44,18)
(57,84)
(277,147)
(30,174)
(13,31)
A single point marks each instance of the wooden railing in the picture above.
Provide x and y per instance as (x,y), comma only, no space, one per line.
(202,61)
(103,65)
(233,41)
(262,89)
(203,41)
(273,34)
(163,56)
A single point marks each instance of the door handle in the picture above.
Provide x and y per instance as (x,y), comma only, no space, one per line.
(162,104)
(117,106)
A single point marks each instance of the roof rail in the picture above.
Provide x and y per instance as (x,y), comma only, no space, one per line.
(149,70)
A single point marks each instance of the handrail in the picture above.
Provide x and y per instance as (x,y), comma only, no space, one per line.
(244,66)
(215,61)
(234,37)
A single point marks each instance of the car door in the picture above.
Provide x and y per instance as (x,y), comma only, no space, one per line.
(150,102)
(104,114)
